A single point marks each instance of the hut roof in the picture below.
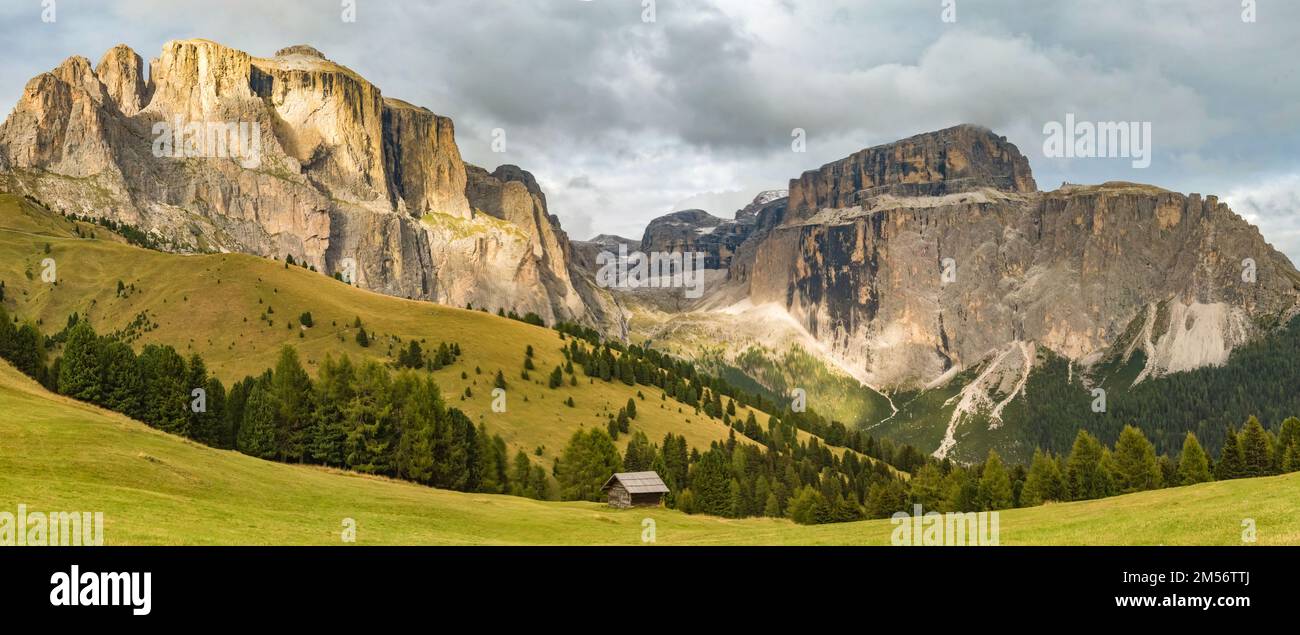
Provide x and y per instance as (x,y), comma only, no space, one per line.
(638,482)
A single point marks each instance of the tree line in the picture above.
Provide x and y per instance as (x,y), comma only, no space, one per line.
(357,416)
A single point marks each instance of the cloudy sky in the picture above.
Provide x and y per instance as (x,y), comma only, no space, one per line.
(623,118)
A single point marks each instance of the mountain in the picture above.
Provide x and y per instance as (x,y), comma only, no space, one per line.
(294,155)
(935,264)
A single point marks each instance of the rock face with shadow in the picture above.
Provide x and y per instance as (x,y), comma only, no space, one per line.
(293,155)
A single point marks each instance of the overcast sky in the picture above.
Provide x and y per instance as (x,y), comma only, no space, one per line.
(622,120)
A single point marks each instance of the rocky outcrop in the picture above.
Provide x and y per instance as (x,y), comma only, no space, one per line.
(293,155)
(586,252)
(958,159)
(695,230)
(423,164)
(903,275)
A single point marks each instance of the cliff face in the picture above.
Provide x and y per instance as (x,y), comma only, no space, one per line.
(958,159)
(292,155)
(698,231)
(936,253)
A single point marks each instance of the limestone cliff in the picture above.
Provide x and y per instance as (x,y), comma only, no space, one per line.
(292,155)
(908,262)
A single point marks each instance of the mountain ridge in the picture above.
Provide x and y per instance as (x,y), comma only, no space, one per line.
(345,179)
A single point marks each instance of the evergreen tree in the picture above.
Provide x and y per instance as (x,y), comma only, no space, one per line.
(995,485)
(1231,463)
(1085,474)
(1136,467)
(520,472)
(411,356)
(293,391)
(927,488)
(1042,483)
(334,390)
(210,426)
(257,432)
(772,508)
(1288,440)
(710,480)
(587,462)
(1256,449)
(1193,463)
(166,396)
(369,433)
(556,379)
(122,381)
(80,372)
(639,454)
(885,498)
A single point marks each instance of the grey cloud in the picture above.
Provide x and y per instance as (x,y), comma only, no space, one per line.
(623,120)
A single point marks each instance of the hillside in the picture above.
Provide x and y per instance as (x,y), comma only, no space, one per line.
(61,455)
(214,304)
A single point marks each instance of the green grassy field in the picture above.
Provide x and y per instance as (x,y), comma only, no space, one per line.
(153,488)
(61,455)
(213,305)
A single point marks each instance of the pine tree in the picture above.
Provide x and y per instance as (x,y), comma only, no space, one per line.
(369,424)
(1042,483)
(772,508)
(710,479)
(927,488)
(995,485)
(1136,467)
(500,381)
(588,461)
(1231,463)
(411,357)
(122,381)
(556,379)
(80,372)
(631,408)
(334,389)
(1193,463)
(1288,441)
(257,432)
(166,397)
(1291,459)
(293,394)
(1256,449)
(1084,472)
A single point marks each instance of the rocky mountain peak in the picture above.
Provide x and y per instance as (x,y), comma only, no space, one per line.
(958,159)
(344,179)
(121,71)
(300,49)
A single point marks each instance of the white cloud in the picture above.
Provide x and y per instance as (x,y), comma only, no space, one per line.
(1273,206)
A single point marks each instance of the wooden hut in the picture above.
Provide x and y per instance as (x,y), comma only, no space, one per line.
(635,489)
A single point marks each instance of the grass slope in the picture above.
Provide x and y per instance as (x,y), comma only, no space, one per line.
(211,304)
(60,455)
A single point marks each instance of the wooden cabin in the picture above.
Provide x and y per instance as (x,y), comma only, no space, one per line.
(635,489)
